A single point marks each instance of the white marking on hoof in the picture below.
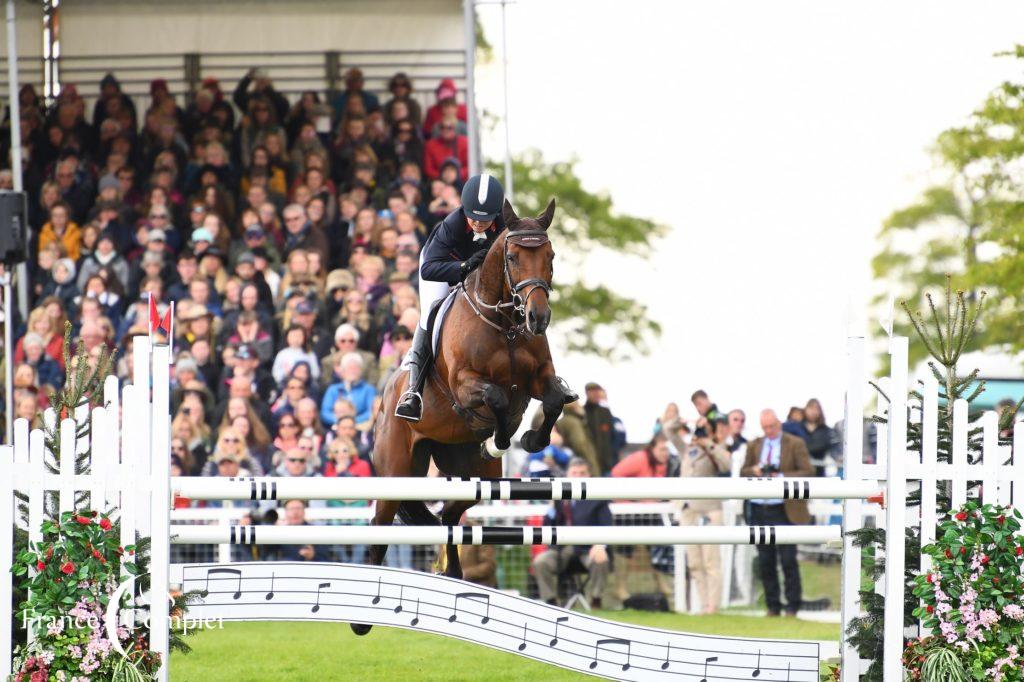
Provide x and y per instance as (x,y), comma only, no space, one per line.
(491,450)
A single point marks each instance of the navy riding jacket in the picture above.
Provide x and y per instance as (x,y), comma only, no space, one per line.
(450,243)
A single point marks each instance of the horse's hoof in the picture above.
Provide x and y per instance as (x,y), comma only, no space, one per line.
(493,450)
(532,441)
(360,628)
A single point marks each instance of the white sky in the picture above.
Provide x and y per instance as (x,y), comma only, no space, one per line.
(773,138)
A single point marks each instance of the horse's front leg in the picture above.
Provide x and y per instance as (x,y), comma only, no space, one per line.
(552,393)
(474,391)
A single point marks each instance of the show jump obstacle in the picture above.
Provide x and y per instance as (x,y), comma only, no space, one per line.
(129,473)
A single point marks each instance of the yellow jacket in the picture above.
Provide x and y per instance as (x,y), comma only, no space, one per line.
(71,241)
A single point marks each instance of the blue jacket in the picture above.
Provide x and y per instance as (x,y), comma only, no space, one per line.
(450,243)
(361,394)
(584,513)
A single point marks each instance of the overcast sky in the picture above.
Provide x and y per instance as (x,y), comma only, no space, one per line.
(772,138)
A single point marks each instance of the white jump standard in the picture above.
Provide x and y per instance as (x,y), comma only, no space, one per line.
(456,489)
(505,535)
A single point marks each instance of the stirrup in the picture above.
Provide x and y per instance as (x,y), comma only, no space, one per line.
(401,404)
(568,395)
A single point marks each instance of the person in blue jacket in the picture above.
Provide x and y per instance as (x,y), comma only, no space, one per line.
(456,246)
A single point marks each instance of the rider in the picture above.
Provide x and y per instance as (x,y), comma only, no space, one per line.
(456,247)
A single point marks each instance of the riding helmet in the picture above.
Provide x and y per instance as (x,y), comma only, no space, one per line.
(482,197)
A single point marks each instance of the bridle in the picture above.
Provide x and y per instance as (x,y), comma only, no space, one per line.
(530,239)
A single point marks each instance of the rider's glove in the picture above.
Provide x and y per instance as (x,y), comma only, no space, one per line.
(472,263)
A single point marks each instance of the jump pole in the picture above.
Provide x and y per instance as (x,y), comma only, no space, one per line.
(505,535)
(452,489)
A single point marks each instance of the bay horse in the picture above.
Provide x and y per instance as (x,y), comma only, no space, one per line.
(493,357)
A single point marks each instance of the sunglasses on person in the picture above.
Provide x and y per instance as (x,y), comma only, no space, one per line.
(288,425)
(297,460)
(295,387)
(160,216)
(232,440)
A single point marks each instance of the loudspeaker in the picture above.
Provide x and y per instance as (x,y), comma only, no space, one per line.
(13,227)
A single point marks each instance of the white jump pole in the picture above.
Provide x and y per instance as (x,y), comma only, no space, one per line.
(505,535)
(853,463)
(896,506)
(160,454)
(429,489)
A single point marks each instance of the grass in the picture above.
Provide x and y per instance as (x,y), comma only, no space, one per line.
(329,651)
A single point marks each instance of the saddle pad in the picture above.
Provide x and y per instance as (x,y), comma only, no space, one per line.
(435,328)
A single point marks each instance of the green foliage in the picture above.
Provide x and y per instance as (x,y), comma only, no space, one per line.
(972,224)
(595,318)
(971,596)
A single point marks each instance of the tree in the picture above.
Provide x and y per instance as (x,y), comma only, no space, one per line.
(971,225)
(593,317)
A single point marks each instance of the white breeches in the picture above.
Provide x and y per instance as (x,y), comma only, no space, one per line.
(429,293)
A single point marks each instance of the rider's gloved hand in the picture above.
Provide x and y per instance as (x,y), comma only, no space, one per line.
(472,263)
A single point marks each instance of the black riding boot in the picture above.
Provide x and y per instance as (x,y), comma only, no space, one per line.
(410,406)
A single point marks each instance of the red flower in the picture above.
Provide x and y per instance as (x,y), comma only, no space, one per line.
(96,554)
(84,520)
(984,560)
(68,568)
(40,566)
(930,608)
(120,550)
(49,553)
(1020,550)
(132,552)
(995,581)
(1002,519)
(105,524)
(949,555)
(961,516)
(963,550)
(930,578)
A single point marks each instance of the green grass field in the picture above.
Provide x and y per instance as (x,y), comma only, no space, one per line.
(328,651)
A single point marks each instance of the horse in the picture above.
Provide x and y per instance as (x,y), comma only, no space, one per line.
(492,359)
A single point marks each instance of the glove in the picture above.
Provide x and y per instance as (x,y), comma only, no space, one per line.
(472,263)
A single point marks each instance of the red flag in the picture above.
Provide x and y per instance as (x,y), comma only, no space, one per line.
(154,316)
(165,323)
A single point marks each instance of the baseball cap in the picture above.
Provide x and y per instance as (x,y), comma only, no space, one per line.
(202,235)
(157,235)
(245,352)
(304,308)
(339,279)
(446,89)
(254,231)
(246,257)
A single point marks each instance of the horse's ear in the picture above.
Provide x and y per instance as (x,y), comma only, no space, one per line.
(545,218)
(509,214)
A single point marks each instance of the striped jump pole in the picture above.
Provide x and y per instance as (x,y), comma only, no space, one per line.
(505,535)
(455,489)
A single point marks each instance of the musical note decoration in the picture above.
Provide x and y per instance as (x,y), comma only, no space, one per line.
(454,608)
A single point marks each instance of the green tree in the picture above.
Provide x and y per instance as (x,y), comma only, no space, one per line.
(971,225)
(593,317)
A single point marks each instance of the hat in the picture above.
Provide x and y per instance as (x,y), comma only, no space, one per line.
(446,89)
(157,235)
(158,84)
(202,235)
(253,231)
(246,257)
(152,257)
(109,79)
(395,277)
(215,252)
(400,332)
(225,457)
(339,279)
(69,265)
(245,352)
(593,386)
(197,311)
(109,181)
(186,365)
(453,162)
(304,308)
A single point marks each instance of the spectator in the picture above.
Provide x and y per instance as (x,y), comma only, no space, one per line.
(650,462)
(62,230)
(600,425)
(295,463)
(819,436)
(737,420)
(231,448)
(400,88)
(297,349)
(707,411)
(300,234)
(351,387)
(778,454)
(551,461)
(549,565)
(354,89)
(295,515)
(447,145)
(445,92)
(705,457)
(478,561)
(794,424)
(343,459)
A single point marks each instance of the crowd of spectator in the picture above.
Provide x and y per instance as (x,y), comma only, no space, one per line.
(288,234)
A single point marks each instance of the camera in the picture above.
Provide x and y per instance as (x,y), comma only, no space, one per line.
(770,470)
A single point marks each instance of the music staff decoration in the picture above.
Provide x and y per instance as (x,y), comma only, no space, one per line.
(423,602)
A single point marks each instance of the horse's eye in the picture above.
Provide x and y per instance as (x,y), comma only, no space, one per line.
(511,258)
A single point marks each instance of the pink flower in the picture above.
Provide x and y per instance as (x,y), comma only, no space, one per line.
(988,617)
(1014,611)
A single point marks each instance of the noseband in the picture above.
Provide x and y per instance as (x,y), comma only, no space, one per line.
(529,239)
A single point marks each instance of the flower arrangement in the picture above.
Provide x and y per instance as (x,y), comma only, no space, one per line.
(972,599)
(70,576)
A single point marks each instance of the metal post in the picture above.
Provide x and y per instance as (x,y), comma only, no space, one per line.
(504,76)
(469,27)
(15,108)
(8,360)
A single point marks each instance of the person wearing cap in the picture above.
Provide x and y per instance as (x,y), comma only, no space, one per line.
(445,91)
(354,88)
(400,88)
(456,246)
(110,89)
(255,237)
(446,145)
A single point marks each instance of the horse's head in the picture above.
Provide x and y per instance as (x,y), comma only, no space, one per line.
(528,263)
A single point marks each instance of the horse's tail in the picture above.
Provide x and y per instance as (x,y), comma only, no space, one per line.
(416,514)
